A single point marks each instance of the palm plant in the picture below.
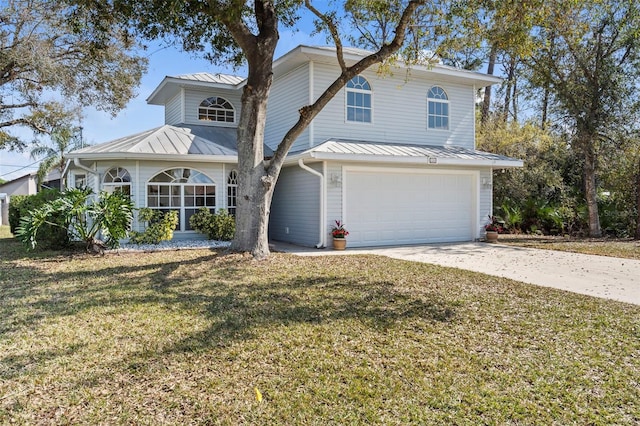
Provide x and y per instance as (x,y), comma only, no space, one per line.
(64,140)
(110,216)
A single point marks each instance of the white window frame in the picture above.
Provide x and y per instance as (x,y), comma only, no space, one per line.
(79,177)
(117,177)
(438,97)
(358,89)
(177,194)
(232,192)
(216,109)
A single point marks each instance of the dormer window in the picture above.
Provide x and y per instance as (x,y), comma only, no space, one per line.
(216,109)
(358,100)
(438,109)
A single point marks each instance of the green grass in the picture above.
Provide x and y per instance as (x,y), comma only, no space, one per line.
(184,337)
(624,248)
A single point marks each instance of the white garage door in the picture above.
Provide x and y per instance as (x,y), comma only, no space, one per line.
(400,208)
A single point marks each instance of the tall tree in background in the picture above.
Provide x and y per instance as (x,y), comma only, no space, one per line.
(590,63)
(236,32)
(50,64)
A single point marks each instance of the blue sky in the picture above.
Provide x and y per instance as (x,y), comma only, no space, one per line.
(100,127)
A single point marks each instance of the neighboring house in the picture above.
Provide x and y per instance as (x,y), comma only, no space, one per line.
(391,155)
(24,185)
(28,184)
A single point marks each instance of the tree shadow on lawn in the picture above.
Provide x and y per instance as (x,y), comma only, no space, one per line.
(228,291)
(242,312)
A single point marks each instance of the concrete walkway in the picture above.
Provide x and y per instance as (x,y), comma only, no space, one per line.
(599,276)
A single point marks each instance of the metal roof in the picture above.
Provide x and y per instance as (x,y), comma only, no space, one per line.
(166,140)
(212,78)
(351,150)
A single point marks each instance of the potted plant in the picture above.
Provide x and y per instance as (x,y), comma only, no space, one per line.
(339,233)
(493,228)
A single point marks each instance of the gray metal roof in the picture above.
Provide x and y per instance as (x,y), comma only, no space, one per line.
(168,140)
(352,150)
(212,78)
(181,139)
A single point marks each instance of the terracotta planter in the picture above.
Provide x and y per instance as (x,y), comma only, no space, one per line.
(492,237)
(339,243)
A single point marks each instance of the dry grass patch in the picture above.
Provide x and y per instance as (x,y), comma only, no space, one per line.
(184,337)
(623,248)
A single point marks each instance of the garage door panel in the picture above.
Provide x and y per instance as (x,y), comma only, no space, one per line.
(402,208)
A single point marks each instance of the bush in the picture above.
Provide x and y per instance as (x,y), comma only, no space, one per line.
(80,220)
(159,228)
(53,236)
(219,226)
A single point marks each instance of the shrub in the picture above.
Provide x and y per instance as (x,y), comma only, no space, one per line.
(159,228)
(53,234)
(80,220)
(216,226)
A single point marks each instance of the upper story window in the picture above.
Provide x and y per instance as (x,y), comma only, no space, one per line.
(359,100)
(438,109)
(117,179)
(216,109)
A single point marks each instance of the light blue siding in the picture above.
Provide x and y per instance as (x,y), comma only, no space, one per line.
(193,98)
(399,111)
(289,93)
(173,110)
(295,210)
(486,199)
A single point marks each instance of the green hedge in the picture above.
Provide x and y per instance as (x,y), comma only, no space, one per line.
(219,226)
(22,205)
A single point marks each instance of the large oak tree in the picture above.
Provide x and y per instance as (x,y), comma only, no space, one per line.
(238,32)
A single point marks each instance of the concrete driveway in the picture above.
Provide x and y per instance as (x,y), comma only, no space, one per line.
(599,276)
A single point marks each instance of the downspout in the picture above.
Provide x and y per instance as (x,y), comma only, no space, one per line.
(78,164)
(321,243)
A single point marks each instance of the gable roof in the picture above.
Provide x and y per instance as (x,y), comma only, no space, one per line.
(378,152)
(167,142)
(170,86)
(327,54)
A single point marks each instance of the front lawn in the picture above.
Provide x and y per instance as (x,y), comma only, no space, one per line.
(186,337)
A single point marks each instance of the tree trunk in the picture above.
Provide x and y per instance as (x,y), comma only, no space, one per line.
(511,88)
(637,235)
(486,104)
(590,189)
(255,187)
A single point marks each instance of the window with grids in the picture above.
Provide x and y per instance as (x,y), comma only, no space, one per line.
(232,192)
(182,190)
(117,179)
(438,109)
(359,107)
(216,109)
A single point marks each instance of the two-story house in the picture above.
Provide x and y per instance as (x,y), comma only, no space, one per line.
(392,155)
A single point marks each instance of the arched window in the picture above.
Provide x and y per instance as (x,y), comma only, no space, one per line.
(117,179)
(358,100)
(438,109)
(183,190)
(216,109)
(232,192)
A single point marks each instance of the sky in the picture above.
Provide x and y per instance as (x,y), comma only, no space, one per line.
(99,127)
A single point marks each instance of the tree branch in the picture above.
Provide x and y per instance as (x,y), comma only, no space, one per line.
(332,29)
(24,122)
(309,112)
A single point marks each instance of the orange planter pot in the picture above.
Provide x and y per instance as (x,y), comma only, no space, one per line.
(339,243)
(492,237)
